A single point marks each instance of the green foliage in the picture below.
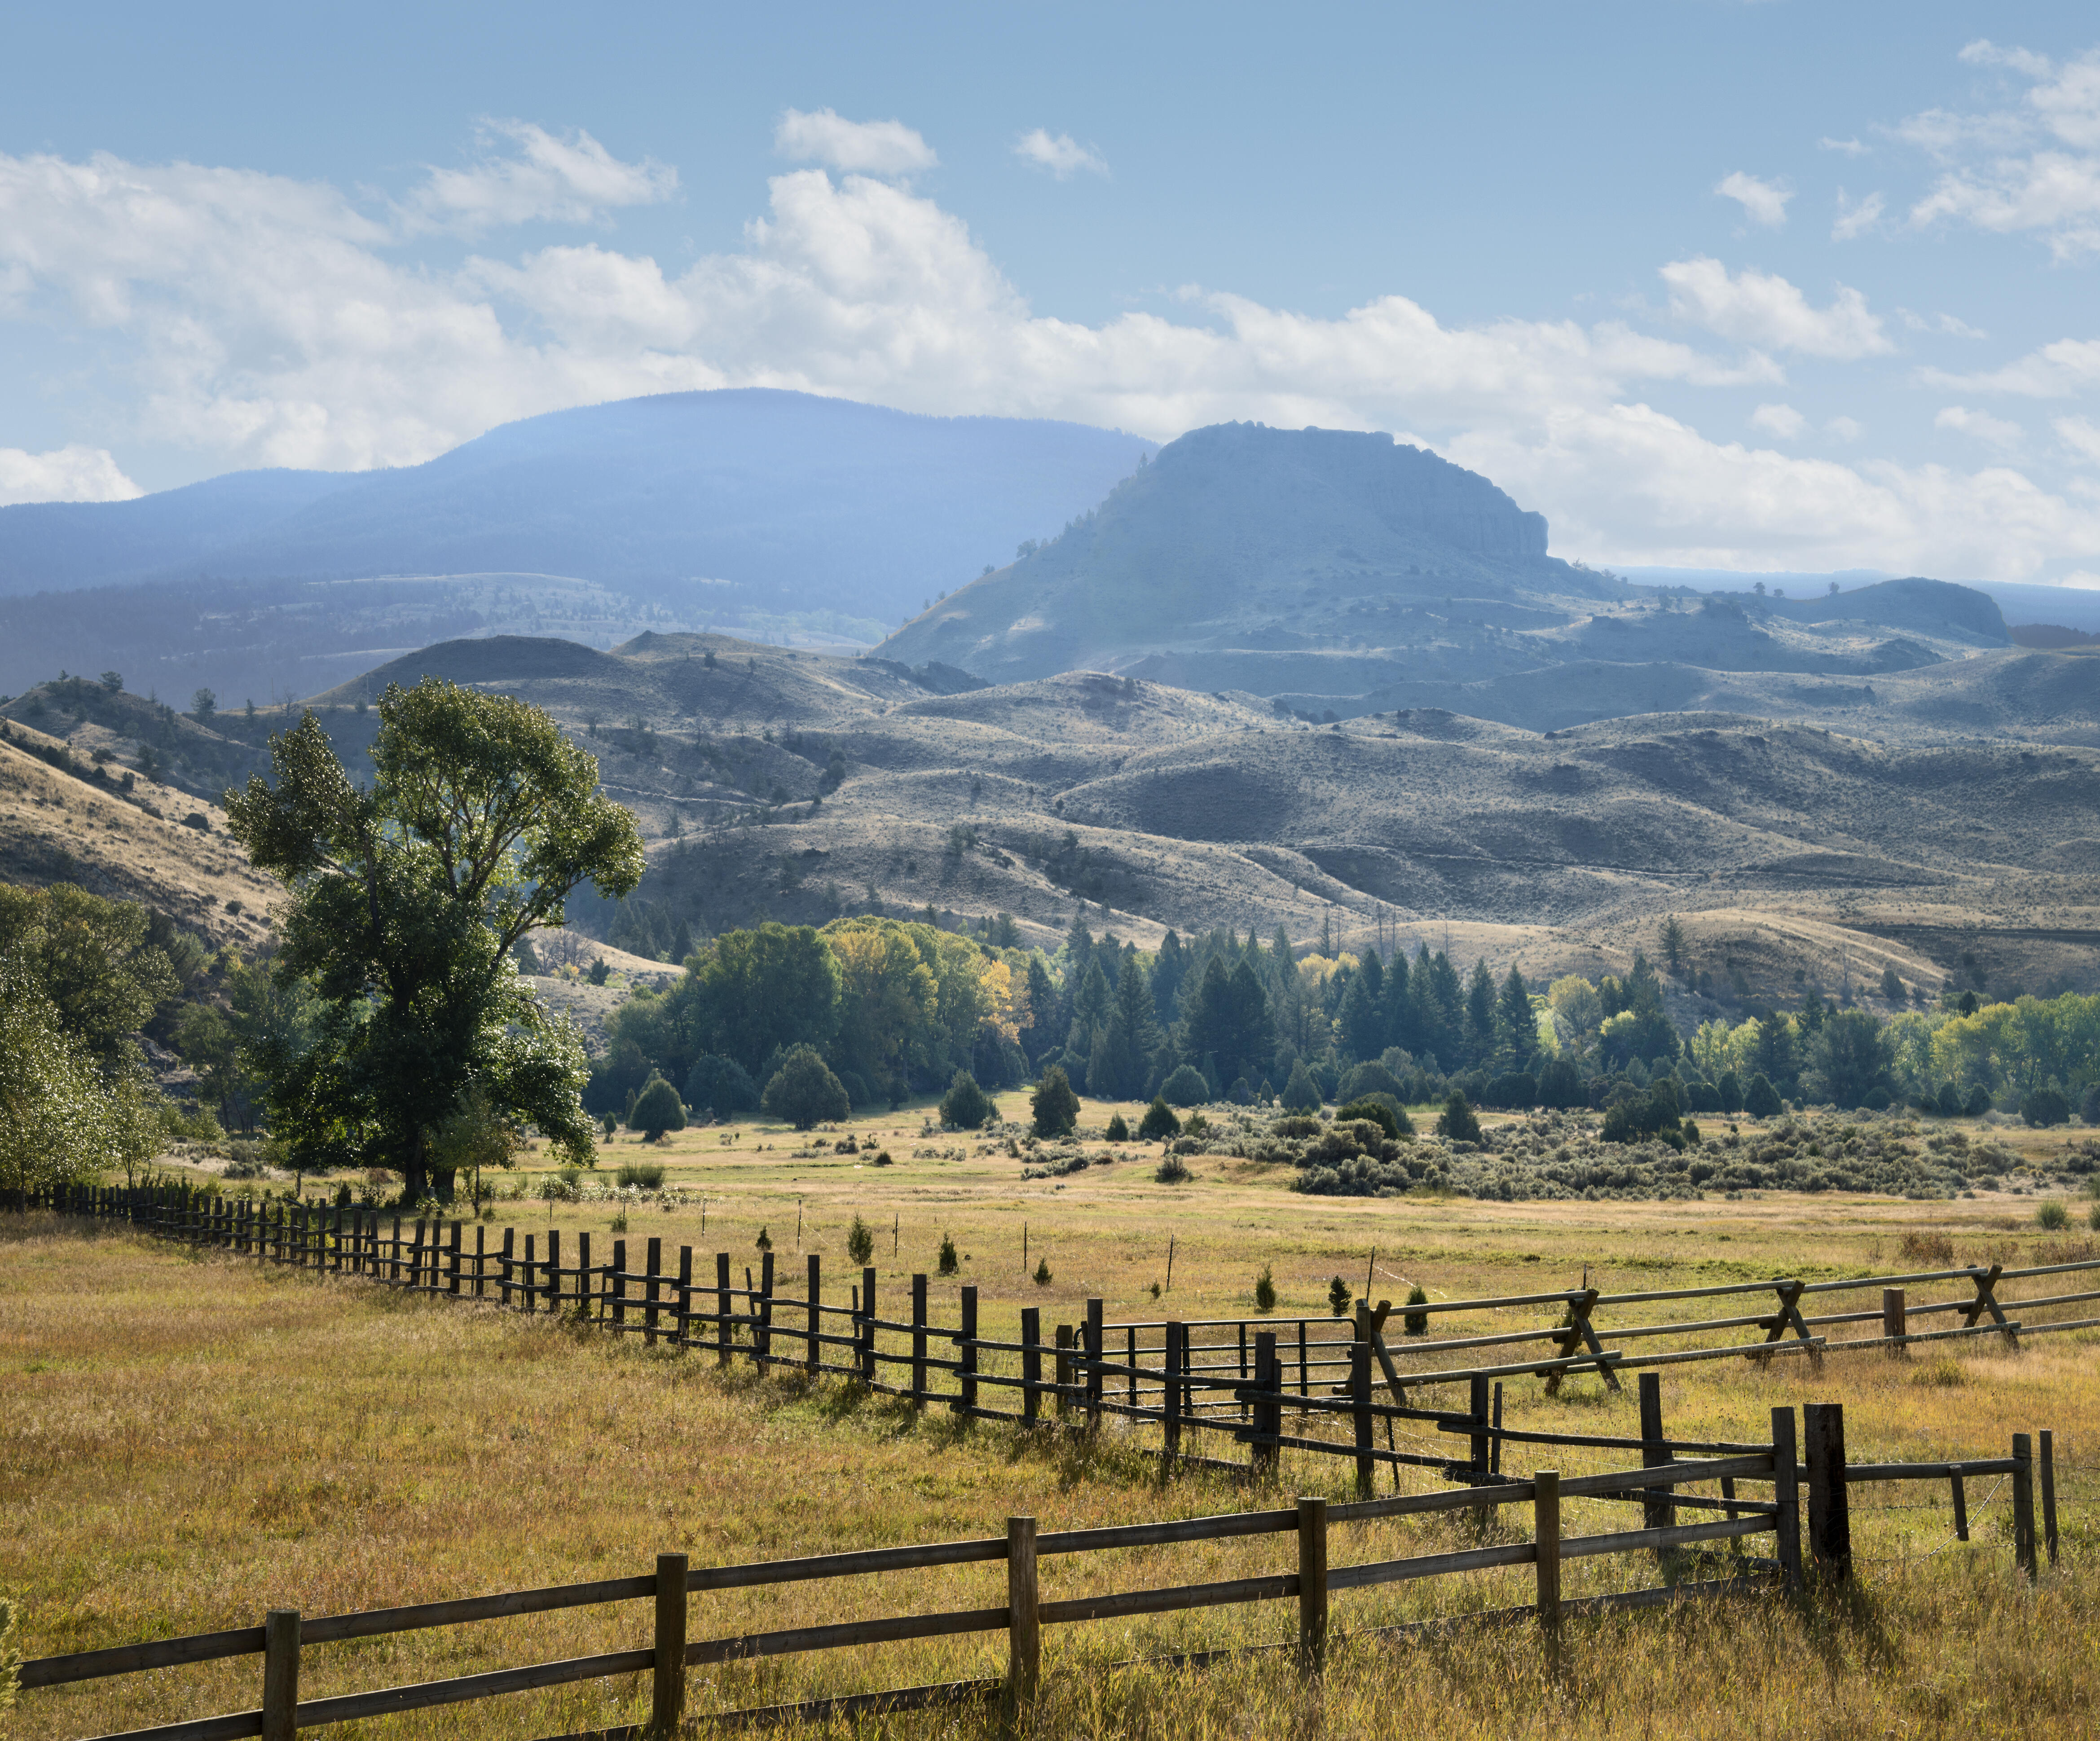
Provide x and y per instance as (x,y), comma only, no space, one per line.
(1056,1108)
(860,1241)
(476,1134)
(1118,1129)
(2052,1218)
(1380,1109)
(1185,1087)
(1301,1094)
(61,1118)
(407,898)
(948,1264)
(1761,1100)
(1159,1122)
(1456,1122)
(1172,1171)
(1416,1323)
(1339,1298)
(1042,1276)
(91,959)
(764,1240)
(804,1092)
(1633,1117)
(1264,1290)
(1229,1020)
(2045,1107)
(719,1085)
(657,1109)
(965,1106)
(646,1175)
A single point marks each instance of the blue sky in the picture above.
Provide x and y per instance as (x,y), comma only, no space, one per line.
(1774,286)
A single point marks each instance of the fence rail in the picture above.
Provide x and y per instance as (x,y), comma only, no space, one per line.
(743,1322)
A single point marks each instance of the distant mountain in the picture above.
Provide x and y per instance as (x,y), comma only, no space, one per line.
(1330,565)
(721,503)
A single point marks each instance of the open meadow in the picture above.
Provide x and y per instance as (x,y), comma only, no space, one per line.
(187,1440)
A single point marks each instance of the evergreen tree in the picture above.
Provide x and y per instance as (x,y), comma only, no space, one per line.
(1396,1013)
(1056,1107)
(1517,1027)
(1230,1021)
(1480,1017)
(1673,944)
(1362,1013)
(1168,970)
(1129,1037)
(1041,1034)
(1090,1009)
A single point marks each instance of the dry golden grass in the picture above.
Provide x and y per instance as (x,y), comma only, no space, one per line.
(187,1441)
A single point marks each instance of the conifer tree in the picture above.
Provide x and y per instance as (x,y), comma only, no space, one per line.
(1480,1013)
(1518,1028)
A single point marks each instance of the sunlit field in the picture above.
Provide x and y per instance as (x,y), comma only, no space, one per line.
(189,1440)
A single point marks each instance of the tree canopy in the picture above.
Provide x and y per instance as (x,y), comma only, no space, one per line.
(408,898)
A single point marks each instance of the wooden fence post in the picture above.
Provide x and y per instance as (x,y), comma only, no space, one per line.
(919,1342)
(1268,1410)
(1786,1495)
(554,1289)
(1175,1357)
(652,1269)
(586,1282)
(667,1694)
(1829,1515)
(2049,1493)
(1094,1356)
(814,1351)
(280,1674)
(1023,1630)
(1360,1409)
(615,1281)
(2023,1519)
(967,1388)
(1064,1402)
(762,1332)
(1311,1584)
(1895,1324)
(1657,1512)
(1031,1357)
(725,1328)
(1477,1405)
(452,1262)
(867,1328)
(1546,1532)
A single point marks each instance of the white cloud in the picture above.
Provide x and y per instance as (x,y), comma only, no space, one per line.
(1757,308)
(2081,435)
(1850,148)
(2034,168)
(1844,428)
(2061,370)
(1060,153)
(864,148)
(572,180)
(1855,221)
(72,474)
(1763,202)
(1993,432)
(2084,580)
(265,321)
(1782,422)
(1947,324)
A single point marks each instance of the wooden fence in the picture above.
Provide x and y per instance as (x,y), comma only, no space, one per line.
(1659,1487)
(1322,1386)
(1666,1484)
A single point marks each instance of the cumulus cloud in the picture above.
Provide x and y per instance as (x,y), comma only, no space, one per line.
(1849,148)
(1757,308)
(2080,435)
(1763,202)
(1855,220)
(1060,153)
(859,148)
(1980,425)
(2061,370)
(1782,422)
(2031,169)
(1952,324)
(571,180)
(269,321)
(72,474)
(1844,428)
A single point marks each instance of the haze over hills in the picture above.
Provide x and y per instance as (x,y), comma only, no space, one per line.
(1343,572)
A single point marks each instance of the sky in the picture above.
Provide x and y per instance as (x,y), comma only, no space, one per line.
(1775,286)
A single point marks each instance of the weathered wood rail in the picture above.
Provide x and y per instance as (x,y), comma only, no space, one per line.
(1340,1382)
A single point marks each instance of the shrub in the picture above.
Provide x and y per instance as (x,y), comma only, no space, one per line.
(1949,1101)
(1762,1100)
(1173,1171)
(764,1242)
(1264,1290)
(1301,1094)
(965,1106)
(2045,1107)
(860,1241)
(2089,1109)
(1185,1087)
(1371,1078)
(1979,1101)
(1056,1107)
(1118,1131)
(1338,1297)
(1921,1247)
(657,1109)
(882,1158)
(804,1092)
(1380,1109)
(1416,1323)
(721,1085)
(1560,1084)
(2052,1218)
(1242,1092)
(1730,1088)
(949,1264)
(1456,1123)
(647,1175)
(1159,1123)
(1516,1089)
(1042,1277)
